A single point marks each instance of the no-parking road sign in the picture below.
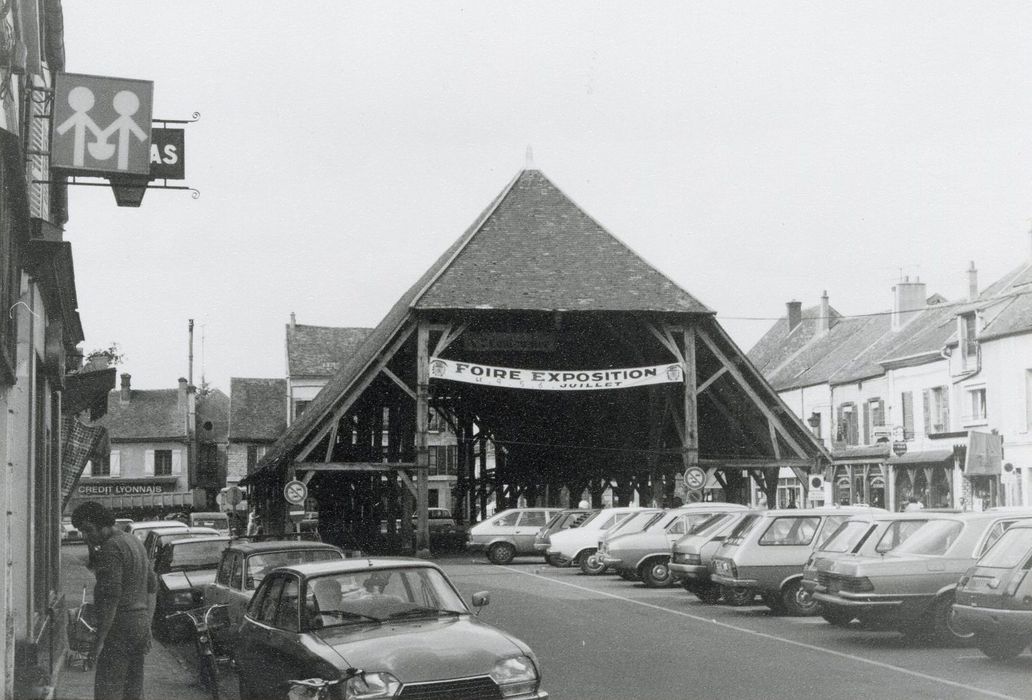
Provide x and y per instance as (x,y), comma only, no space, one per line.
(694,478)
(295,492)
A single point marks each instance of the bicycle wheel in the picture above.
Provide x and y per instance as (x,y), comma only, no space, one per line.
(209,673)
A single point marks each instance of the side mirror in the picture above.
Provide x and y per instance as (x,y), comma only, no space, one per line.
(480,599)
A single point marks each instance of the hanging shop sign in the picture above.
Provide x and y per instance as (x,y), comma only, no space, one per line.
(168,154)
(130,487)
(101,125)
(555,380)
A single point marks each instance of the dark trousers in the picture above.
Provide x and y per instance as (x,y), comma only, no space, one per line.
(119,670)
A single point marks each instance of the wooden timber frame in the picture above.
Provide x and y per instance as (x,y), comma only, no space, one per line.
(366,458)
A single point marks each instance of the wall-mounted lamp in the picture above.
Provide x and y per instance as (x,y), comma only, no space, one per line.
(814,421)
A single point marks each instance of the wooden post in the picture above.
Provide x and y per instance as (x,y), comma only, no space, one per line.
(690,451)
(422,423)
(482,482)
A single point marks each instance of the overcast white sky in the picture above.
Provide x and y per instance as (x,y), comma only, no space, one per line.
(754,152)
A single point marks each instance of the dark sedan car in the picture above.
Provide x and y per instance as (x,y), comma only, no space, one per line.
(184,567)
(385,628)
(994,597)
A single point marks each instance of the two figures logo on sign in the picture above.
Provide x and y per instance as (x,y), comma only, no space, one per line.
(81,99)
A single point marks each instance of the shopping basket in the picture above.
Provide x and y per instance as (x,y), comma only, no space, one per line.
(82,633)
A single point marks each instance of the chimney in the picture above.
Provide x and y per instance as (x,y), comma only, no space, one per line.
(293,320)
(181,403)
(795,314)
(972,275)
(824,319)
(125,392)
(907,299)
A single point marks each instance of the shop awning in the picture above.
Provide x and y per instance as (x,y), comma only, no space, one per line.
(870,454)
(80,443)
(920,457)
(151,501)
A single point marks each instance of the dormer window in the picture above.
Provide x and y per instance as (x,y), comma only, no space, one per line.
(969,340)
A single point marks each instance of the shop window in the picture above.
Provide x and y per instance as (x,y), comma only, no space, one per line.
(162,462)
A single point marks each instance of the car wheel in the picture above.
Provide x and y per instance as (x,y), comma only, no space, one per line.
(797,602)
(773,601)
(590,564)
(838,618)
(944,626)
(737,596)
(553,560)
(501,553)
(656,573)
(708,593)
(1002,646)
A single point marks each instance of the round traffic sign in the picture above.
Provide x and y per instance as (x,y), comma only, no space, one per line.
(233,495)
(295,492)
(694,478)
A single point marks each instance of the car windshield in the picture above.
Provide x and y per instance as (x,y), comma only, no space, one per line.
(378,595)
(1013,548)
(848,536)
(897,533)
(187,554)
(933,539)
(258,565)
(709,524)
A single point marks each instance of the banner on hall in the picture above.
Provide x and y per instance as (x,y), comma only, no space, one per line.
(555,380)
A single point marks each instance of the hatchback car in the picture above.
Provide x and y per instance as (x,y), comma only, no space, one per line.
(562,520)
(508,534)
(577,546)
(766,551)
(245,563)
(184,567)
(384,628)
(863,535)
(692,554)
(994,597)
(645,554)
(142,527)
(156,538)
(911,588)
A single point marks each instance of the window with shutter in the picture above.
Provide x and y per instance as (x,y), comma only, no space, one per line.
(115,463)
(907,399)
(926,398)
(148,462)
(176,461)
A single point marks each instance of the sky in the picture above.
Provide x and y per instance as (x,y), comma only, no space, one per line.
(753,152)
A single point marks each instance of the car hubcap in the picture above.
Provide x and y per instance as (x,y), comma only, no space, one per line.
(804,600)
(660,572)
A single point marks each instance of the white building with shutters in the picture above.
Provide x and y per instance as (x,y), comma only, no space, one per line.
(150,469)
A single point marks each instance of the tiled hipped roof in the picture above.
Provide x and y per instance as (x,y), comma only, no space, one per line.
(258,409)
(320,351)
(152,414)
(530,249)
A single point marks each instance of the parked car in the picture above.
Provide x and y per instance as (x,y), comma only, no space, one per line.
(184,567)
(645,553)
(692,554)
(245,563)
(158,537)
(69,533)
(508,534)
(577,545)
(445,533)
(562,520)
(911,588)
(123,523)
(400,621)
(213,519)
(994,597)
(141,528)
(866,534)
(766,551)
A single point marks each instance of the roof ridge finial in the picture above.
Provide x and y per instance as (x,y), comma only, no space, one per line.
(529,159)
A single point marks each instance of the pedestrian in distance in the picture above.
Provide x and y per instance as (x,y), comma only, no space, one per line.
(913,504)
(124,601)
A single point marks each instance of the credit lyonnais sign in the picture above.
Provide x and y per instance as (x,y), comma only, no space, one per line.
(554,380)
(108,487)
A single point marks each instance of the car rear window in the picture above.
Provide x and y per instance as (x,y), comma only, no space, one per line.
(1009,551)
(742,529)
(710,523)
(507,520)
(847,536)
(934,539)
(184,555)
(791,531)
(897,533)
(258,565)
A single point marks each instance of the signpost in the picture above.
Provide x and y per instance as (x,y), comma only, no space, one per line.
(295,492)
(694,479)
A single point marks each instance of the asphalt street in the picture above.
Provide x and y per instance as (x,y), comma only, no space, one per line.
(602,637)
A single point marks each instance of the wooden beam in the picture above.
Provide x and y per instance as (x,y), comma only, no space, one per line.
(774,439)
(690,442)
(449,336)
(748,463)
(407,480)
(352,466)
(712,378)
(332,442)
(397,380)
(362,386)
(665,340)
(760,403)
(422,422)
